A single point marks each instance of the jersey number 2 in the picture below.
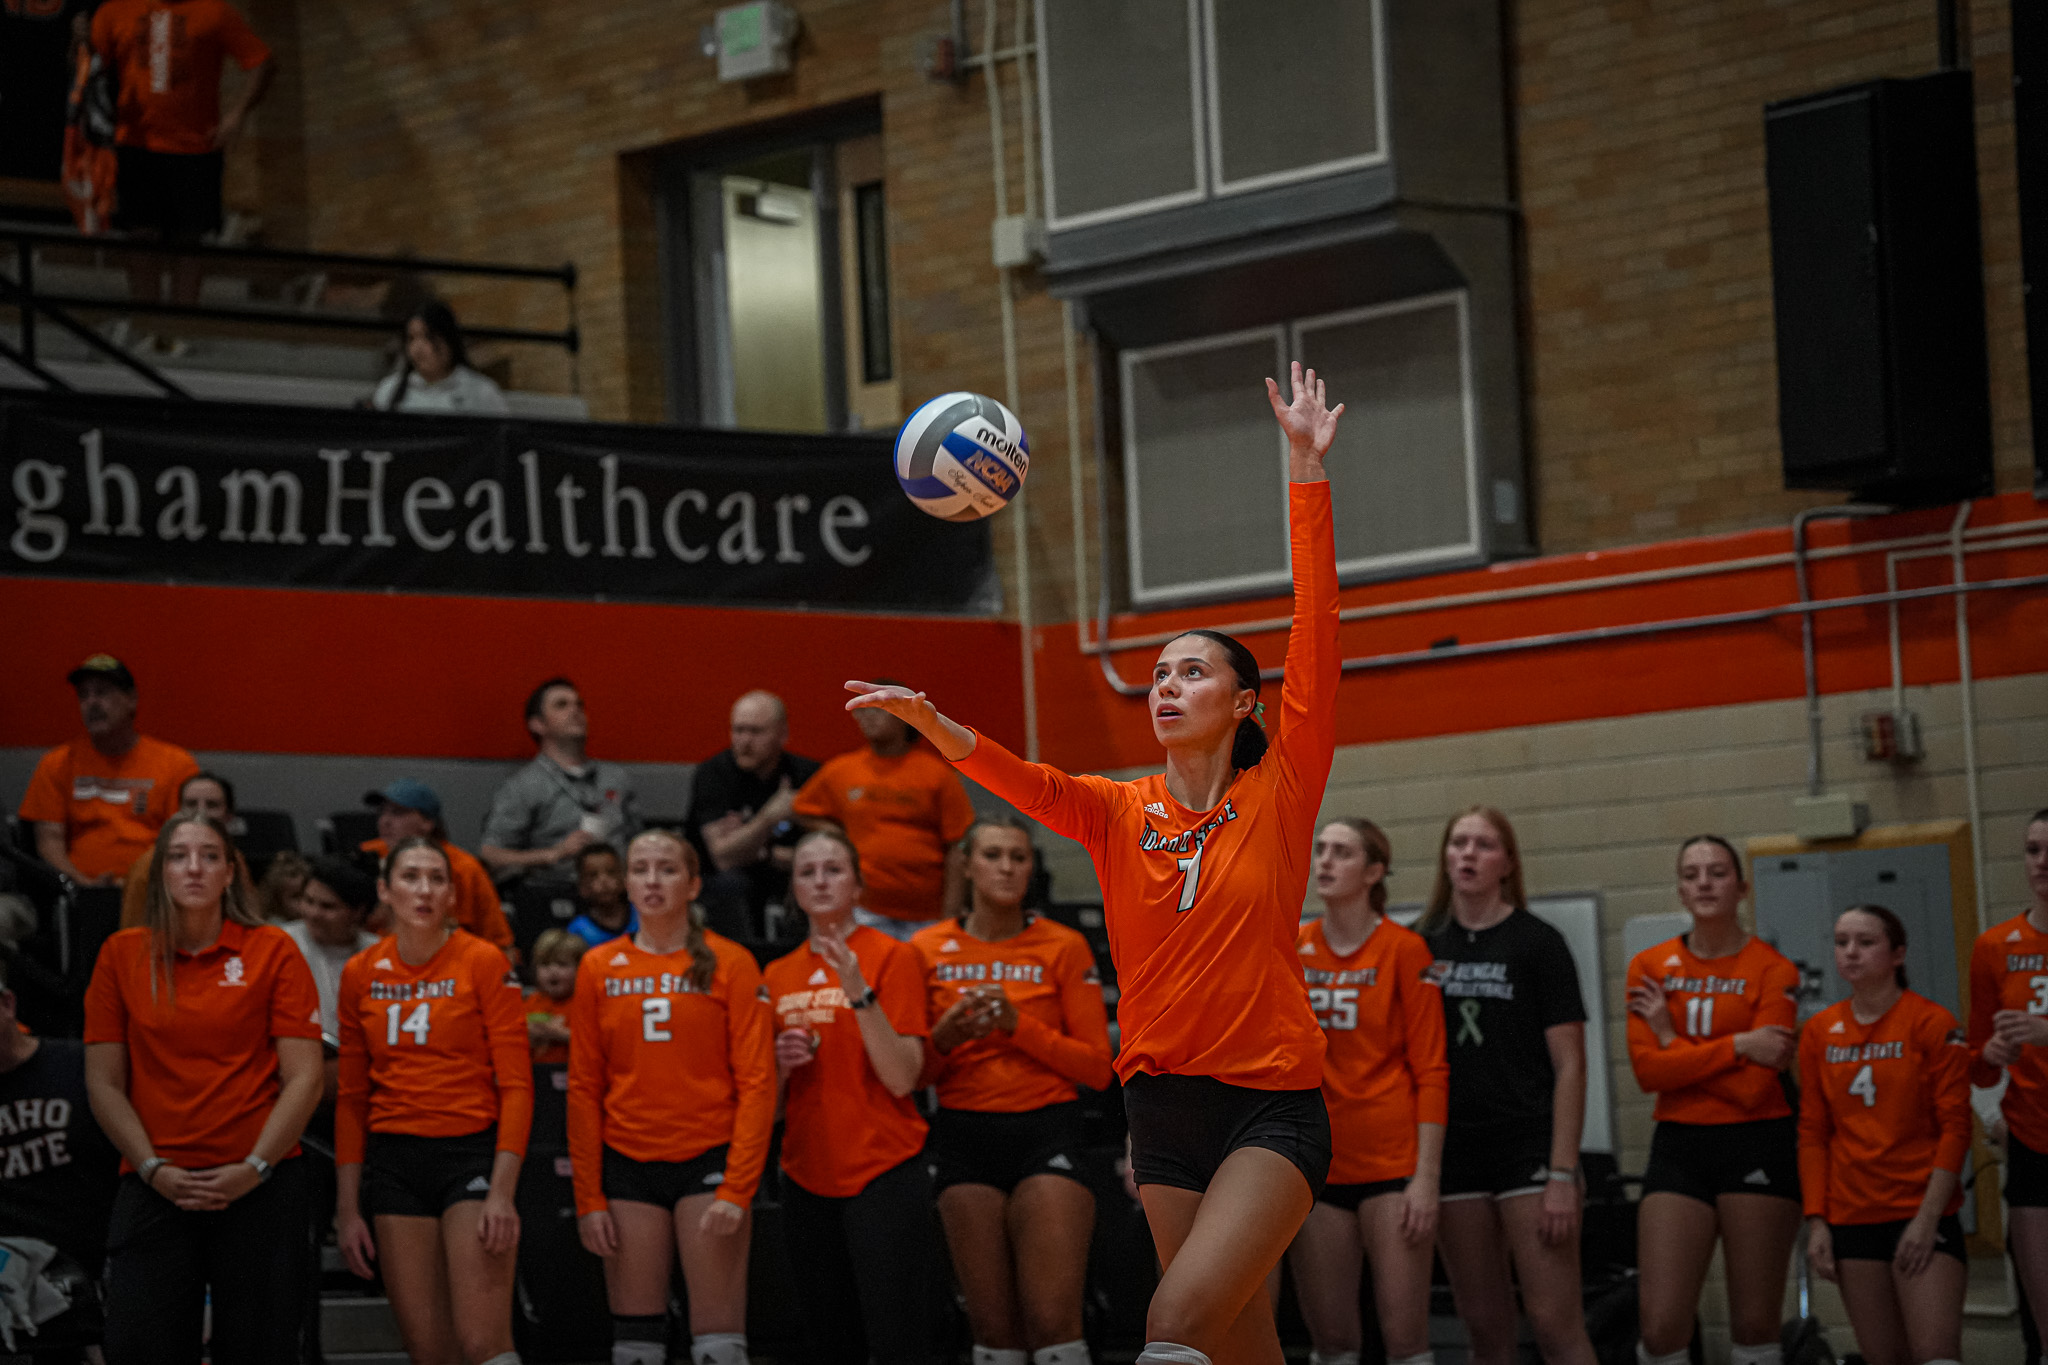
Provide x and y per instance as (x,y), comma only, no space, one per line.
(415,1024)
(1864,1087)
(653,1014)
(1190,878)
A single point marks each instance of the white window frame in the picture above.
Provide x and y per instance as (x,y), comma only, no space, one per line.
(1287,341)
(1196,97)
(1212,132)
(1475,544)
(1127,362)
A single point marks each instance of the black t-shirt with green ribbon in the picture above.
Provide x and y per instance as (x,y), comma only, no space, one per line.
(1502,987)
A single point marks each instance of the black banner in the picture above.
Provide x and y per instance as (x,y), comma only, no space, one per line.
(237,493)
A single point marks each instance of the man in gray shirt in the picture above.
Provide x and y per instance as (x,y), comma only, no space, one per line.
(559,804)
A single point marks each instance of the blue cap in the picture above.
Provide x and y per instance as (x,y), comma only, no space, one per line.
(409,792)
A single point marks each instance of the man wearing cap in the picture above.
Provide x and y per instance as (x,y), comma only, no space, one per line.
(559,804)
(410,809)
(98,801)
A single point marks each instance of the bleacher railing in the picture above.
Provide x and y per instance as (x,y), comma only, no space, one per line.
(19,290)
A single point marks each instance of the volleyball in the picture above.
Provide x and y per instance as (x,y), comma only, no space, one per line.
(962,456)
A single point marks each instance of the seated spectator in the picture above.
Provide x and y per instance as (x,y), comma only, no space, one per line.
(333,905)
(906,812)
(409,809)
(741,802)
(58,1172)
(98,801)
(207,794)
(170,130)
(277,895)
(434,373)
(555,956)
(601,888)
(559,804)
(35,40)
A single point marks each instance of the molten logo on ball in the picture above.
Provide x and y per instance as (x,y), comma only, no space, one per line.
(962,456)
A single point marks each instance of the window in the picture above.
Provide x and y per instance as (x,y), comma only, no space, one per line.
(1205,472)
(1151,104)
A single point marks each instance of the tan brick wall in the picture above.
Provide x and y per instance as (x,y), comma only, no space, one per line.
(483,129)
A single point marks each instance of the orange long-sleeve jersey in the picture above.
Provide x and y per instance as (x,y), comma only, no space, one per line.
(1062,1036)
(437,1050)
(843,1126)
(1699,1078)
(661,1071)
(2009,971)
(1203,906)
(1882,1107)
(1386,1070)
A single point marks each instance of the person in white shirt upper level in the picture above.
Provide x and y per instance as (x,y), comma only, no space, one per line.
(436,374)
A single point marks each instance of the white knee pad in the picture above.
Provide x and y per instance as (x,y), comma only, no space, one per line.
(504,1358)
(1005,1355)
(1168,1353)
(1419,1358)
(719,1348)
(1643,1357)
(1336,1358)
(1772,1354)
(639,1353)
(1066,1353)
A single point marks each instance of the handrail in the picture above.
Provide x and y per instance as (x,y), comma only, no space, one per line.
(426,265)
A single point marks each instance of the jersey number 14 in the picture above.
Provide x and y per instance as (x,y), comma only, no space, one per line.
(414,1024)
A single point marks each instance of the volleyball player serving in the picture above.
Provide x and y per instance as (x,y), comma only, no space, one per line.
(1711,1028)
(1204,869)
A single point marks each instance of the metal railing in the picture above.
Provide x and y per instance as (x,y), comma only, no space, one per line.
(19,290)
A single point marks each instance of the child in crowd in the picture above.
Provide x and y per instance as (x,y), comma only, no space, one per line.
(283,883)
(555,955)
(601,886)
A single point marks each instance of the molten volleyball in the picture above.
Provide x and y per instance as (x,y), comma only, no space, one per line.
(962,456)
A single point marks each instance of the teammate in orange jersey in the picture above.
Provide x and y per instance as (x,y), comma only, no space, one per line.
(671,1100)
(436,1099)
(1712,1018)
(856,1196)
(1387,1086)
(2009,1032)
(1018,1022)
(1204,869)
(1884,1125)
(1516,1027)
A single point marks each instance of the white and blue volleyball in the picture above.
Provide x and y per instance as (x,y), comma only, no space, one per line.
(962,456)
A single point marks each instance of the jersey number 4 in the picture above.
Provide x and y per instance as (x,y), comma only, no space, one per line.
(414,1023)
(1864,1087)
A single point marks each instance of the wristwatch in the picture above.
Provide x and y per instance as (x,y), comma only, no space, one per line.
(148,1169)
(867,998)
(264,1170)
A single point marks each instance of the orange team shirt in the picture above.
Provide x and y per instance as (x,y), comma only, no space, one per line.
(2009,971)
(1881,1108)
(540,1005)
(111,809)
(202,1060)
(902,813)
(1699,1079)
(1386,1069)
(1203,906)
(168,58)
(661,1071)
(842,1126)
(1062,1036)
(437,1050)
(476,895)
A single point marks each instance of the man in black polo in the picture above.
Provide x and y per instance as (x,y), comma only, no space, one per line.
(740,811)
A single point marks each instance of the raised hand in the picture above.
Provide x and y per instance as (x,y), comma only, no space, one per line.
(1309,422)
(954,742)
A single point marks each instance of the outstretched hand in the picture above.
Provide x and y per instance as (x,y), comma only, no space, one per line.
(954,742)
(1309,422)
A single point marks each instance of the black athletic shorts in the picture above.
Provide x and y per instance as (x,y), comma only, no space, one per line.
(1482,1161)
(2026,1175)
(1349,1197)
(663,1184)
(174,194)
(970,1147)
(1182,1127)
(423,1177)
(1879,1241)
(1705,1160)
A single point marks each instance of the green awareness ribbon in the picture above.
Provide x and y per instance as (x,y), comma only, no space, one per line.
(1468,1025)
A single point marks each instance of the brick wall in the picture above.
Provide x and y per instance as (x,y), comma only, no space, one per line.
(484,129)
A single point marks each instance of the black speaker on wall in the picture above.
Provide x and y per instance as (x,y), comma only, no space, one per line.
(1877,281)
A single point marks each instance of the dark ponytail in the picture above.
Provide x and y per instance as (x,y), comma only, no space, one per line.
(1894,932)
(1249,745)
